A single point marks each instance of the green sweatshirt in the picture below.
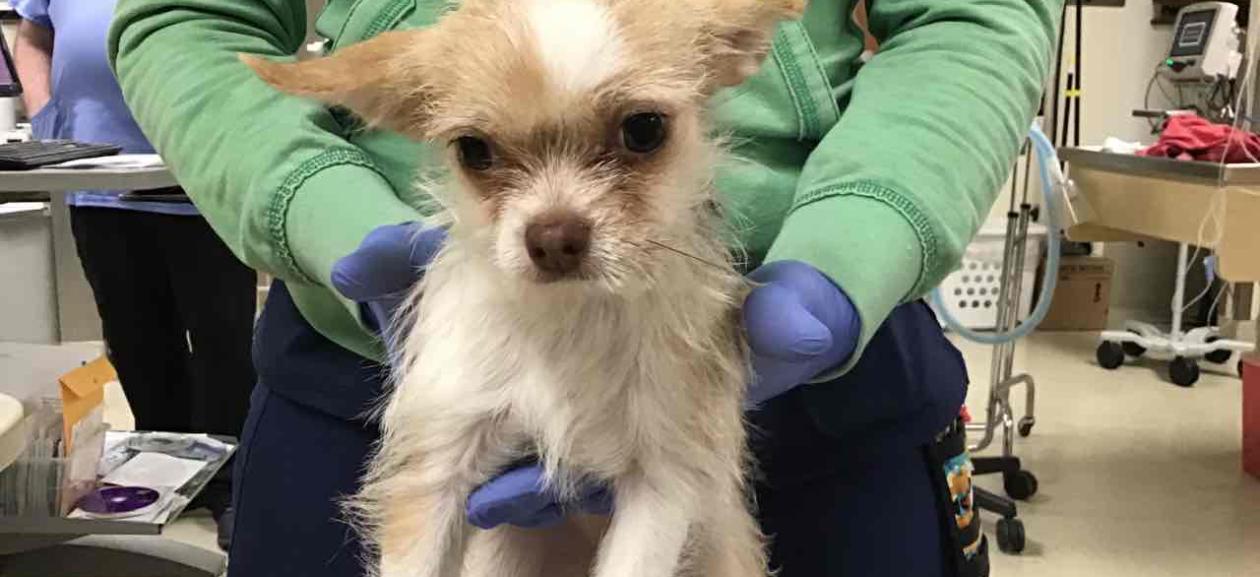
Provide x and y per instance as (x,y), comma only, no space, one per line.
(878,178)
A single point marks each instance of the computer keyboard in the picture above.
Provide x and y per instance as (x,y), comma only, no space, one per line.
(37,153)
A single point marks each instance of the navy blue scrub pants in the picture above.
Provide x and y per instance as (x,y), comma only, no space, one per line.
(846,484)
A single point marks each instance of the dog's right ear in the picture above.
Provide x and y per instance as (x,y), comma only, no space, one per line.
(739,34)
(382,80)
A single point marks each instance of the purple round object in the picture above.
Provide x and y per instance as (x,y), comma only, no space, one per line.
(118,500)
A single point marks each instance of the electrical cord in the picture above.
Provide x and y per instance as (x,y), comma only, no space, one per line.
(1146,98)
(1212,99)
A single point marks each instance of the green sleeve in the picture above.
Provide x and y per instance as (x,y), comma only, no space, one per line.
(272,174)
(893,194)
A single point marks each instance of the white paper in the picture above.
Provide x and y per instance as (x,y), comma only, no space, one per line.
(115,438)
(116,161)
(22,207)
(154,470)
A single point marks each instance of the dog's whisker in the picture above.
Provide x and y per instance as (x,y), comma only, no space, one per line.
(727,269)
(684,253)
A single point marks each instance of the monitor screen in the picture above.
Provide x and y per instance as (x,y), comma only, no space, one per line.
(9,85)
(1192,34)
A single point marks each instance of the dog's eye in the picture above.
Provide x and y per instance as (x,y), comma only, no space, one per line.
(644,132)
(474,153)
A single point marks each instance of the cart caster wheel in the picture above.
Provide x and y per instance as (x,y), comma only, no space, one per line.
(1020,485)
(1010,536)
(1133,349)
(1218,357)
(1110,355)
(1183,372)
(1026,426)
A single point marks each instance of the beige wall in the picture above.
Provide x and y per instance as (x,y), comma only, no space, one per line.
(1121,50)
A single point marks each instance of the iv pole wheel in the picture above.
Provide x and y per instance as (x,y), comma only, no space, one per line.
(1026,426)
(1010,536)
(1219,356)
(1019,485)
(1110,355)
(1183,372)
(1133,349)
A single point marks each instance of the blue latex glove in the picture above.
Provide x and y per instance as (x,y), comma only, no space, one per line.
(799,325)
(519,497)
(389,261)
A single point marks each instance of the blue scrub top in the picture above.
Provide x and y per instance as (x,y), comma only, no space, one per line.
(87,104)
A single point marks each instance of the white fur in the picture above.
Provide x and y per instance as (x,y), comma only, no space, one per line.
(637,384)
(644,392)
(577,40)
(633,377)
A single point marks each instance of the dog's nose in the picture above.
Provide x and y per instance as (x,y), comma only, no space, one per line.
(557,243)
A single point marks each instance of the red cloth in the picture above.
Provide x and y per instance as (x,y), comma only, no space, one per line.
(1191,137)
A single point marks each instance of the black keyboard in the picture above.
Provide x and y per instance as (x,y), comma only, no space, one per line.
(37,153)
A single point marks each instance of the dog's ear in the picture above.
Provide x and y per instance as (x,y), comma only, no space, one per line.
(739,33)
(382,80)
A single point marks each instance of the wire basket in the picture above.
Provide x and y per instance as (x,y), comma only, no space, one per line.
(971,292)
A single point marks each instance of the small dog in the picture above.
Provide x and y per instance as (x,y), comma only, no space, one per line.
(574,312)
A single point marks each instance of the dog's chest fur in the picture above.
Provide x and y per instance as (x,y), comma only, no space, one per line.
(589,379)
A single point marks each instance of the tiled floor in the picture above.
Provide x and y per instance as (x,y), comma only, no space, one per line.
(1138,477)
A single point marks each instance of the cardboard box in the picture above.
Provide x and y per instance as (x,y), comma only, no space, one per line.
(1082,299)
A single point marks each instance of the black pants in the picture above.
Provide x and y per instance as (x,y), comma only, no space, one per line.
(177,312)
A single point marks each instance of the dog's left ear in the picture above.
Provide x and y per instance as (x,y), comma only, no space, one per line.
(382,80)
(738,35)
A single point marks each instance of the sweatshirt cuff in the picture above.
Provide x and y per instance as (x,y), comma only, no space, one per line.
(326,215)
(871,246)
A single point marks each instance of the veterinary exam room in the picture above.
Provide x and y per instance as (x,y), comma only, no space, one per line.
(629,288)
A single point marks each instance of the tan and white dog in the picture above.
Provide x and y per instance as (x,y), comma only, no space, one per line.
(561,317)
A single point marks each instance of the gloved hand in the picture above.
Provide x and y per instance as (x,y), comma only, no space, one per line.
(389,261)
(799,325)
(519,497)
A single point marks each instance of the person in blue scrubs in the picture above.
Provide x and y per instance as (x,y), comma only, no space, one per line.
(176,306)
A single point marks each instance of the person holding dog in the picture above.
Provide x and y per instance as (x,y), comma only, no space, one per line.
(863,184)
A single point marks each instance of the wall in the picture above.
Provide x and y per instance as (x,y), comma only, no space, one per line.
(1121,49)
(29,306)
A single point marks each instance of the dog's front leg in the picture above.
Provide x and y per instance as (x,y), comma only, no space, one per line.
(423,531)
(649,529)
(565,550)
(426,538)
